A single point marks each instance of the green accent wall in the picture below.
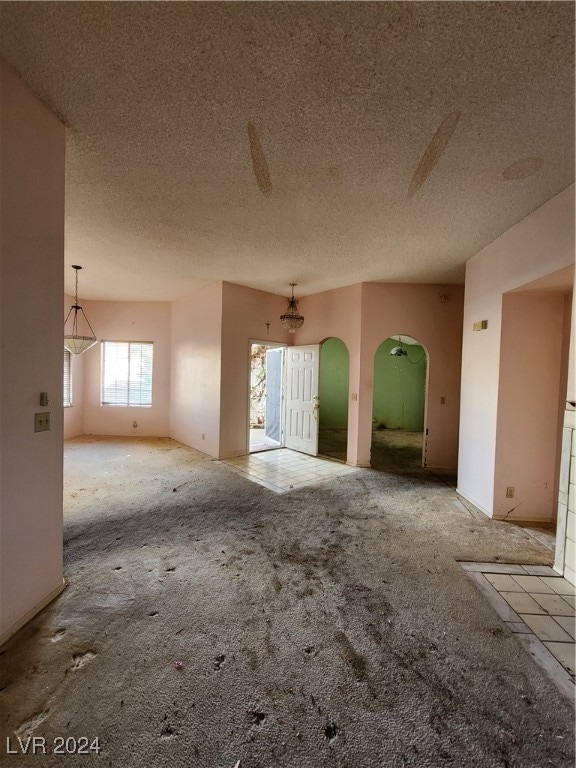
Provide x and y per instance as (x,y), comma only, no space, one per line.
(333,385)
(399,387)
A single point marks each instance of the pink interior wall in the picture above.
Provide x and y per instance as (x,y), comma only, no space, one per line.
(74,415)
(420,312)
(363,316)
(338,314)
(571,372)
(529,389)
(539,245)
(196,342)
(32,143)
(245,313)
(128,321)
(565,373)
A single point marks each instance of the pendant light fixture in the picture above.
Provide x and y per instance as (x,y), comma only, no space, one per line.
(399,351)
(292,319)
(75,341)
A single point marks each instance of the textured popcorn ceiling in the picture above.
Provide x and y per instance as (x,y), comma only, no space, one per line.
(323,143)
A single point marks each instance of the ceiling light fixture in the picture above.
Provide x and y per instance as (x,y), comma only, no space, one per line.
(399,351)
(73,341)
(292,319)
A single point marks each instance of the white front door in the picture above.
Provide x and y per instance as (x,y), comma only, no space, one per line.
(302,398)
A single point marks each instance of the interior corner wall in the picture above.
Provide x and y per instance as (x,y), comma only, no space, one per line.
(540,244)
(528,392)
(128,321)
(74,414)
(247,315)
(196,350)
(32,146)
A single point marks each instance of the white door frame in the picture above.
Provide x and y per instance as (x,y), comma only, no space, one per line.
(270,345)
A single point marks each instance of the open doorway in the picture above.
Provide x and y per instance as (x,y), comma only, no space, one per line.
(265,428)
(333,396)
(532,387)
(398,407)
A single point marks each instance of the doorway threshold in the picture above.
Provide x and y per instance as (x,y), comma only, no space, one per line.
(259,442)
(283,470)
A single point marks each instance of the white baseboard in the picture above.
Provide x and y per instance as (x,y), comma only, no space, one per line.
(5,636)
(473,503)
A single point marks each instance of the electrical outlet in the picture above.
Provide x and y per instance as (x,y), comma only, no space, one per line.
(510,492)
(42,421)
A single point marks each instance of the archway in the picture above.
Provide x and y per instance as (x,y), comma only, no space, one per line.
(333,396)
(399,405)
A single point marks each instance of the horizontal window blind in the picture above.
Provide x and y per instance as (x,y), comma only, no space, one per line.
(67,378)
(127,373)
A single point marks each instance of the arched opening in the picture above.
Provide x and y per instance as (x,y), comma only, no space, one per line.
(399,404)
(333,397)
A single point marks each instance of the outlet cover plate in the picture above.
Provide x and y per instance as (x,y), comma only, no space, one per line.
(42,422)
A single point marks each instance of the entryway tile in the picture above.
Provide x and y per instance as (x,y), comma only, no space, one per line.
(554,605)
(533,584)
(564,652)
(522,602)
(518,626)
(560,586)
(540,570)
(487,568)
(546,628)
(503,583)
(568,624)
(283,470)
(537,607)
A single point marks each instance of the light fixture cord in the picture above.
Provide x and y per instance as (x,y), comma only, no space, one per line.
(77,307)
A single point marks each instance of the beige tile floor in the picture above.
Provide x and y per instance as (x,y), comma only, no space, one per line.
(284,470)
(537,606)
(259,441)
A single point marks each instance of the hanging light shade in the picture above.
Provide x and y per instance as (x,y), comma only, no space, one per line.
(400,351)
(76,338)
(292,319)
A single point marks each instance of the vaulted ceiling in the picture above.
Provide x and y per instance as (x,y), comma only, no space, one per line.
(322,143)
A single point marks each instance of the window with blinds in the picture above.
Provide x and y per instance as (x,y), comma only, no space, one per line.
(127,373)
(67,379)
